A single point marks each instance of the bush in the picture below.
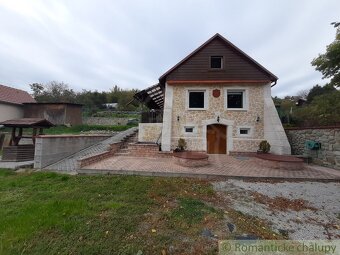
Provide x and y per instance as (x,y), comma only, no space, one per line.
(264,146)
(182,145)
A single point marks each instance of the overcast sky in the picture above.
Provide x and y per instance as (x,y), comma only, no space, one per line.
(96,44)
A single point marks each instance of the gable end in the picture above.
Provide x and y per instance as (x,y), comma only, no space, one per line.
(236,66)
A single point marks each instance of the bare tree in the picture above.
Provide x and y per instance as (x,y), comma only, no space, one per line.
(303,93)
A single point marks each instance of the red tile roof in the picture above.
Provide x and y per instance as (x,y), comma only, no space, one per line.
(14,96)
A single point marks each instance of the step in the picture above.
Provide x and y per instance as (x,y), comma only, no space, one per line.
(122,154)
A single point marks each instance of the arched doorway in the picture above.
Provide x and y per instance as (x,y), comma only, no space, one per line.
(216,139)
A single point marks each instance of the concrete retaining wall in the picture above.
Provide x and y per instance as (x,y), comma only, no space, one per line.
(50,149)
(105,121)
(329,137)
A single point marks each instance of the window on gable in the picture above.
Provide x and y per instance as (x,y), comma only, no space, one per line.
(216,62)
(196,99)
(235,99)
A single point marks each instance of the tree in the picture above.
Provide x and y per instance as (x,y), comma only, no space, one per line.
(317,90)
(303,94)
(53,92)
(37,89)
(329,63)
(323,110)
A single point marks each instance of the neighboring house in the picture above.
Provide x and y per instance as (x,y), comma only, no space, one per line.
(56,113)
(11,102)
(110,105)
(218,99)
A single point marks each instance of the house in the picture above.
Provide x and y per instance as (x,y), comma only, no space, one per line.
(110,105)
(11,102)
(218,99)
(56,113)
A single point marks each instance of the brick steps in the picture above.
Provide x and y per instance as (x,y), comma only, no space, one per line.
(18,153)
(116,148)
(122,154)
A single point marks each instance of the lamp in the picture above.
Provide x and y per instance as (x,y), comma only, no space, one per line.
(218,118)
(177,118)
(257,119)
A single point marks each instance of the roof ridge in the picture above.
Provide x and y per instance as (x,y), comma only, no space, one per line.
(14,88)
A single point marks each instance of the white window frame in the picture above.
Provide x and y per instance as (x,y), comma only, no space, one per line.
(245,95)
(250,133)
(206,103)
(189,125)
(193,129)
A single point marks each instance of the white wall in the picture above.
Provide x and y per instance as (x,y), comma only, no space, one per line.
(273,129)
(167,118)
(10,111)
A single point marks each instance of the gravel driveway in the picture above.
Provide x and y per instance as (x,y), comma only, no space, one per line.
(298,210)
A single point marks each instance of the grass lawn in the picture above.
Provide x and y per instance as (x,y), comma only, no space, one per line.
(49,213)
(78,129)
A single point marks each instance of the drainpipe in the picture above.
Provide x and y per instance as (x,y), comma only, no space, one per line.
(272,85)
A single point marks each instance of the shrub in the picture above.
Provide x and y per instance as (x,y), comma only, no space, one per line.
(182,145)
(264,146)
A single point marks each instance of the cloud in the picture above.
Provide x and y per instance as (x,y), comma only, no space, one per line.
(97,44)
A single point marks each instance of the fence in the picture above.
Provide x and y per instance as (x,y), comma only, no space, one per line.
(153,116)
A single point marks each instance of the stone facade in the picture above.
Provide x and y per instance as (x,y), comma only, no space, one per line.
(149,132)
(252,117)
(328,155)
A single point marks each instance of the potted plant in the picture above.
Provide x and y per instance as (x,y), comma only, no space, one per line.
(181,146)
(264,147)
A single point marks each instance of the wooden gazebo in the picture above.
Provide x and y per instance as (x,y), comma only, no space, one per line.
(25,152)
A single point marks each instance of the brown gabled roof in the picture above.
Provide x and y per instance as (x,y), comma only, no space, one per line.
(273,78)
(27,122)
(14,96)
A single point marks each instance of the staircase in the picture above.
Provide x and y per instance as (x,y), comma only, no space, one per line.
(95,153)
(124,149)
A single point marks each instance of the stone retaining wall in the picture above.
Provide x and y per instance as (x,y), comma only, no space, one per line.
(104,121)
(329,137)
(149,132)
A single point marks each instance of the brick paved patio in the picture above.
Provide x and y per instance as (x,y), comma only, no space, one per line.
(220,165)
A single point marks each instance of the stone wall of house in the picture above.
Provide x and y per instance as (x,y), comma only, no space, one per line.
(104,121)
(328,155)
(182,117)
(149,132)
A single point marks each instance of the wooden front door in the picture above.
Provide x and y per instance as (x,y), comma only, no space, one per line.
(216,139)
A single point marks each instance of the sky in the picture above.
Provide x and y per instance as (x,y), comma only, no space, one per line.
(95,45)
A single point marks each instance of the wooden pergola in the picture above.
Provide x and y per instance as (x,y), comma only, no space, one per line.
(19,124)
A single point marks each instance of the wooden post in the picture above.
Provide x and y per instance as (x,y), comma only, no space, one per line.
(20,132)
(34,134)
(12,141)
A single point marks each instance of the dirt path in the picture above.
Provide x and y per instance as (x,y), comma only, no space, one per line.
(298,210)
